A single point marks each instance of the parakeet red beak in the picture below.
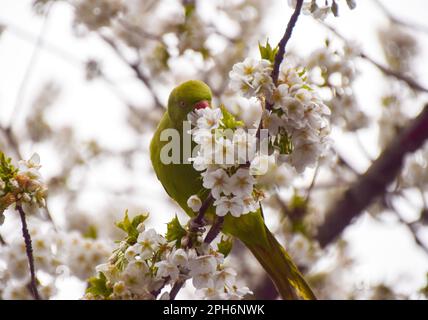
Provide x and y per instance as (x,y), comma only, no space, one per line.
(201,105)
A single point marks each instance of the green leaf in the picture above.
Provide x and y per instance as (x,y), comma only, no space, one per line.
(229,121)
(98,286)
(175,231)
(7,170)
(91,233)
(267,52)
(189,9)
(225,245)
(130,227)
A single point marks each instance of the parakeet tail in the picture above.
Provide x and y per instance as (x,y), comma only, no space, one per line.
(278,264)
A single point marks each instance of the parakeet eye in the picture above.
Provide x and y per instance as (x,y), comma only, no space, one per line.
(201,105)
(182,104)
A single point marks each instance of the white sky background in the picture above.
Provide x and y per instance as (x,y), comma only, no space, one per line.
(383,251)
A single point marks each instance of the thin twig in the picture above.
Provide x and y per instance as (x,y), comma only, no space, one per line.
(389,72)
(410,225)
(30,67)
(311,186)
(11,141)
(139,32)
(394,19)
(29,250)
(282,44)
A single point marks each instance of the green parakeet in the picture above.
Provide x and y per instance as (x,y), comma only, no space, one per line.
(182,180)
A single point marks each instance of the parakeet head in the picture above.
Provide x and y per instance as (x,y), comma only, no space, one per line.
(188,96)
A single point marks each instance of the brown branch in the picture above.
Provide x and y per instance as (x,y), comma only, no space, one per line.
(374,182)
(29,250)
(176,288)
(199,219)
(282,44)
(215,230)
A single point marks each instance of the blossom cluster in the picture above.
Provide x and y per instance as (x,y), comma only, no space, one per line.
(146,263)
(239,163)
(321,9)
(220,154)
(21,186)
(299,120)
(399,46)
(54,252)
(96,14)
(334,71)
(15,275)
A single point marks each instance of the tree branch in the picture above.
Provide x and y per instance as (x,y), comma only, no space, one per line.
(394,19)
(374,182)
(283,43)
(389,72)
(29,250)
(215,230)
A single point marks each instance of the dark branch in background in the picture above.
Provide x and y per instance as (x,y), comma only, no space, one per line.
(375,181)
(29,250)
(394,19)
(282,44)
(389,72)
